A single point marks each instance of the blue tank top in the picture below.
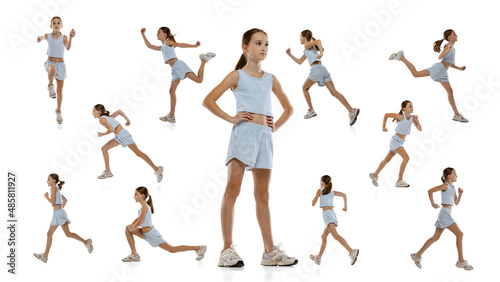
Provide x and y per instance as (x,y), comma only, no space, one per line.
(58,200)
(404,126)
(311,55)
(450,57)
(326,200)
(113,122)
(146,222)
(253,94)
(55,47)
(448,196)
(168,52)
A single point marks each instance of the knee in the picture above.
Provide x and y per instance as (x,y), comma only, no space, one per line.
(305,89)
(52,69)
(67,233)
(436,237)
(406,158)
(262,197)
(104,149)
(138,153)
(460,234)
(231,193)
(323,237)
(172,92)
(49,234)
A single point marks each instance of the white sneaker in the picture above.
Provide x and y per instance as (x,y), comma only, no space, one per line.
(310,114)
(89,246)
(465,265)
(168,118)
(207,57)
(397,56)
(353,116)
(41,257)
(229,258)
(354,256)
(59,118)
(277,257)
(315,259)
(201,252)
(402,184)
(374,179)
(52,92)
(416,259)
(159,173)
(460,118)
(131,257)
(105,175)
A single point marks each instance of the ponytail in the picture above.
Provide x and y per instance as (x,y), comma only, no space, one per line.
(150,203)
(245,40)
(144,191)
(100,108)
(403,105)
(437,44)
(170,36)
(242,62)
(59,183)
(328,182)
(308,35)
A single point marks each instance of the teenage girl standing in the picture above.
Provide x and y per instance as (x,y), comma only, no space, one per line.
(251,144)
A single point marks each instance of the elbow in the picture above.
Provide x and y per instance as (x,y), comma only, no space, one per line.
(205,103)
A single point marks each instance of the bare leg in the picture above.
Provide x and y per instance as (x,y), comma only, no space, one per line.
(401,151)
(51,70)
(382,164)
(305,88)
(430,241)
(68,233)
(324,237)
(60,84)
(412,69)
(173,98)
(261,179)
(175,249)
(451,99)
(236,170)
(336,236)
(454,228)
(336,94)
(112,143)
(130,239)
(197,78)
(143,156)
(49,240)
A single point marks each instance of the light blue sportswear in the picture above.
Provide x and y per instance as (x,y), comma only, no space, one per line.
(329,216)
(450,56)
(311,55)
(448,196)
(438,72)
(112,122)
(179,70)
(59,217)
(147,221)
(123,137)
(326,200)
(153,237)
(58,196)
(444,218)
(55,47)
(395,143)
(253,94)
(404,126)
(168,52)
(60,69)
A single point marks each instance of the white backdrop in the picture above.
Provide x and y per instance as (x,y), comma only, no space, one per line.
(109,64)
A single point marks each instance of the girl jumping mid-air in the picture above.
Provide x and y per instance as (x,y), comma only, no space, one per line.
(404,119)
(179,69)
(444,220)
(55,66)
(318,74)
(439,71)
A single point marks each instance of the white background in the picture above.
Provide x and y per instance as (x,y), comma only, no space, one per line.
(110,64)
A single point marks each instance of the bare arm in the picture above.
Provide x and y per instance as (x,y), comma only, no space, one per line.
(389,115)
(53,191)
(298,61)
(445,51)
(120,113)
(315,200)
(311,44)
(457,199)
(68,42)
(41,37)
(149,45)
(442,187)
(182,45)
(340,194)
(285,103)
(139,220)
(416,122)
(108,127)
(64,201)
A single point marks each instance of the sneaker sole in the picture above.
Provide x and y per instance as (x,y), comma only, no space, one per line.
(40,259)
(238,264)
(355,118)
(415,261)
(402,186)
(310,116)
(273,263)
(355,259)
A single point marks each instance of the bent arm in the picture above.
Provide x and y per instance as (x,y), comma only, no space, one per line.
(315,200)
(230,81)
(182,45)
(106,124)
(297,60)
(120,113)
(285,103)
(343,195)
(139,220)
(431,191)
(149,45)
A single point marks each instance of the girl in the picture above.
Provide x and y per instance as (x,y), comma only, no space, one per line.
(59,217)
(448,198)
(403,128)
(251,144)
(55,65)
(122,137)
(319,74)
(439,71)
(179,69)
(325,196)
(143,228)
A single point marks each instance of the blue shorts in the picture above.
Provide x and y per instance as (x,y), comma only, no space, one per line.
(153,237)
(60,69)
(124,138)
(179,70)
(251,144)
(329,217)
(59,217)
(444,218)
(395,143)
(438,72)
(319,74)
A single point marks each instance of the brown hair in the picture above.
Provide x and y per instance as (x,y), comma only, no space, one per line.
(446,172)
(100,108)
(403,105)
(309,36)
(59,183)
(56,17)
(166,30)
(245,40)
(144,191)
(437,44)
(328,182)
